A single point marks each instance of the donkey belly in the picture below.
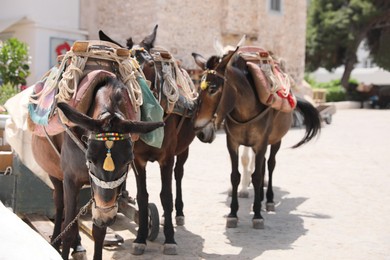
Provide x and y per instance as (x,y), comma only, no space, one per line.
(281,124)
(249,135)
(46,157)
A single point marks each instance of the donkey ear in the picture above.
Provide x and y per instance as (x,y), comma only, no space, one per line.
(225,60)
(129,43)
(199,60)
(80,119)
(104,37)
(148,41)
(139,127)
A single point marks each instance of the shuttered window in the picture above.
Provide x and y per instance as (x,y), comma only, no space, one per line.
(276,5)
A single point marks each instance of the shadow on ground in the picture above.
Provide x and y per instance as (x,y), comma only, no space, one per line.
(282,227)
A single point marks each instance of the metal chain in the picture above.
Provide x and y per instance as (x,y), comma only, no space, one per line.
(82,211)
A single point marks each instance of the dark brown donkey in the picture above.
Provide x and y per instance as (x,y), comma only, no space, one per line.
(228,93)
(106,129)
(178,135)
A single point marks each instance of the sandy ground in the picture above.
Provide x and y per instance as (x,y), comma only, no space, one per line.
(332,199)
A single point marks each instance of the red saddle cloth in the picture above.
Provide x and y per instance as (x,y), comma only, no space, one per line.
(273,88)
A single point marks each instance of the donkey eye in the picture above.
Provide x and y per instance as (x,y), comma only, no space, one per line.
(213,88)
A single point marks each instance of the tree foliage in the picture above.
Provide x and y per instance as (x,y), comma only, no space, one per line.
(335,29)
(14,62)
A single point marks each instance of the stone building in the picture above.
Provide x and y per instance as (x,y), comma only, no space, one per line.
(187,26)
(49,27)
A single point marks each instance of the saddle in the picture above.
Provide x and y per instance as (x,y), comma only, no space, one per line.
(82,101)
(175,89)
(272,84)
(73,81)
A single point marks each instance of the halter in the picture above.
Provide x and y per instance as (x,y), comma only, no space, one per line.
(204,84)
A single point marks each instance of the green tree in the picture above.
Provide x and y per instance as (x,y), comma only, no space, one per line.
(336,28)
(14,60)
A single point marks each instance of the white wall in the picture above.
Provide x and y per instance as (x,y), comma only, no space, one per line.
(44,20)
(54,13)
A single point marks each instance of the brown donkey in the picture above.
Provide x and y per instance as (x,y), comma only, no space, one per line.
(228,92)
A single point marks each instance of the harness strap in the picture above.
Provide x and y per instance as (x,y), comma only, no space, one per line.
(74,138)
(51,142)
(258,117)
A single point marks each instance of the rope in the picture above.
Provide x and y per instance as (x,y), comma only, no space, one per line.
(170,88)
(279,81)
(129,78)
(184,80)
(176,81)
(71,77)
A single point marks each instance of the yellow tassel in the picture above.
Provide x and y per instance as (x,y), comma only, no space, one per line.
(108,164)
(203,85)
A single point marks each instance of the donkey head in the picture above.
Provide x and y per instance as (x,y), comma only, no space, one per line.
(211,90)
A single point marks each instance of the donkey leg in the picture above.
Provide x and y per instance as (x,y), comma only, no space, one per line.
(232,218)
(179,173)
(257,181)
(244,193)
(270,206)
(139,244)
(71,191)
(98,234)
(79,251)
(58,196)
(170,247)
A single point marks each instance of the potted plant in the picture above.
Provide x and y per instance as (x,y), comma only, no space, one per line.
(14,69)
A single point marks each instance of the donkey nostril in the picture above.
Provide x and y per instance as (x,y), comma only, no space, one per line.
(201,135)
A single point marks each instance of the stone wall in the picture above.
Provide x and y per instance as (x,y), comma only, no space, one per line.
(187,26)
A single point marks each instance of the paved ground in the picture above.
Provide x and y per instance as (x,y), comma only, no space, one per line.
(332,199)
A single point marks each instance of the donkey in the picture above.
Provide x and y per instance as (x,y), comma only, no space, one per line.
(228,93)
(178,135)
(102,161)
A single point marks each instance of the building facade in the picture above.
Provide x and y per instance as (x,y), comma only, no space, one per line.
(185,26)
(48,27)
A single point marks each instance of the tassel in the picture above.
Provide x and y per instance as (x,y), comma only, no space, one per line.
(108,164)
(203,85)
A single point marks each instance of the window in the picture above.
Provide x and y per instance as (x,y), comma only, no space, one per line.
(276,5)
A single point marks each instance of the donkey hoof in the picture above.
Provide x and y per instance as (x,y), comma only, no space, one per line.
(180,221)
(243,194)
(258,223)
(170,249)
(231,222)
(137,248)
(270,206)
(79,255)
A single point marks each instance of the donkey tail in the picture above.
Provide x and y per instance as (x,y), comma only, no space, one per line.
(311,120)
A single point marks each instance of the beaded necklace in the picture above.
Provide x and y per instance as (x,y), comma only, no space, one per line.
(110,136)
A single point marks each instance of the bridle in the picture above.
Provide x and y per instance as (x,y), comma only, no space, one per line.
(203,86)
(108,138)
